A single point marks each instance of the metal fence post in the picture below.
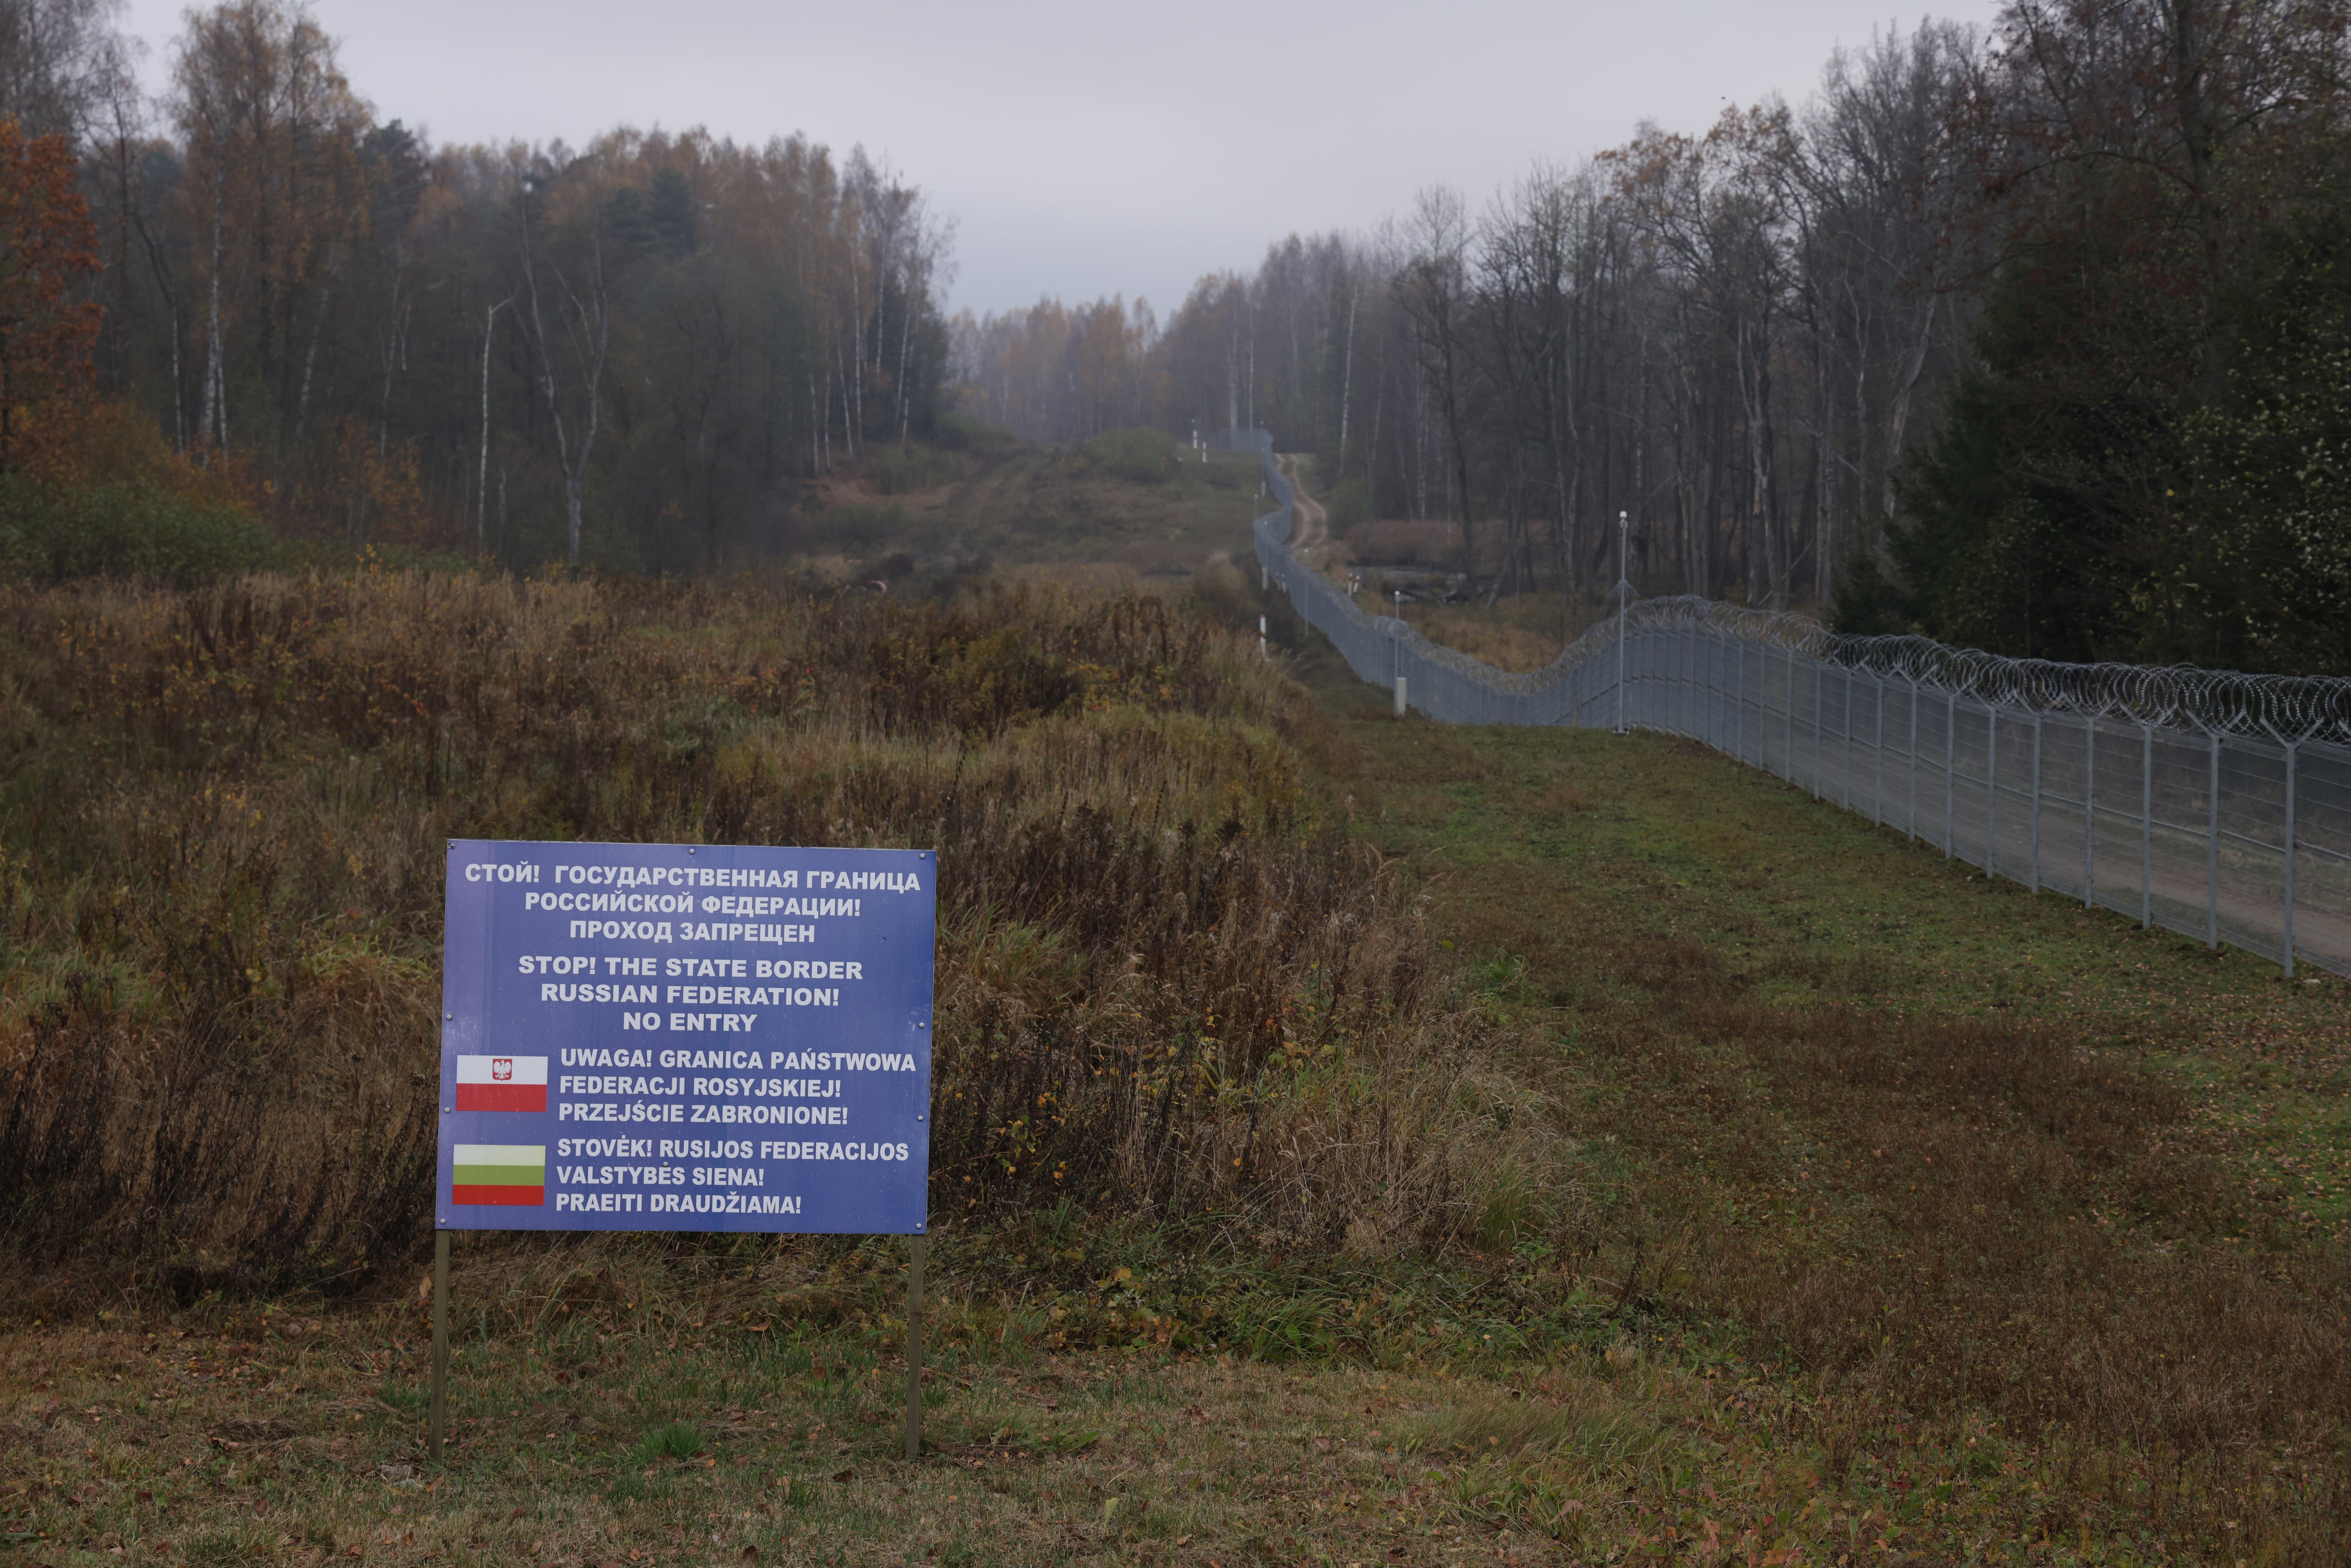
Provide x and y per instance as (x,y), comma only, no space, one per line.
(2291,751)
(1687,686)
(1847,781)
(1790,759)
(1670,689)
(1705,714)
(2035,883)
(1910,807)
(1624,600)
(1992,788)
(1706,690)
(2090,812)
(1739,703)
(1620,674)
(1713,695)
(1950,774)
(2146,827)
(1877,775)
(1820,723)
(2212,852)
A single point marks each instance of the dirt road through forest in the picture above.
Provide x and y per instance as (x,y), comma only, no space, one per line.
(1313,522)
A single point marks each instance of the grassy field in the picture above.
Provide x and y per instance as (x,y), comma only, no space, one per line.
(1524,632)
(1949,1153)
(1519,632)
(1118,511)
(1644,1162)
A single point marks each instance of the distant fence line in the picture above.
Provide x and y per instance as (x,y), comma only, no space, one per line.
(2215,805)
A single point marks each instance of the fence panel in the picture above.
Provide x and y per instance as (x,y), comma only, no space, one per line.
(2322,867)
(2215,805)
(2064,771)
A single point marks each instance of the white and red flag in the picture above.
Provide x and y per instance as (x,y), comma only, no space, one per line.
(502,1083)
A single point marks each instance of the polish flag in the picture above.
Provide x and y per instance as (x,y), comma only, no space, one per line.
(502,1083)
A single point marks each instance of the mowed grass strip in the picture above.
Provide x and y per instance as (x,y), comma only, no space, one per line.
(213,1436)
(1949,1150)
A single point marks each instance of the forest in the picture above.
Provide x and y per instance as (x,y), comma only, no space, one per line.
(2028,337)
(258,292)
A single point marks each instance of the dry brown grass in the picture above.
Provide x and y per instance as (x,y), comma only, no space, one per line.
(1406,541)
(2015,1224)
(1504,643)
(1167,986)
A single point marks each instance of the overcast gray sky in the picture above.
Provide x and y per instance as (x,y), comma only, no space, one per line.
(1085,149)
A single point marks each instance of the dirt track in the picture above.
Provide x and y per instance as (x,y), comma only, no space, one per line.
(1314,527)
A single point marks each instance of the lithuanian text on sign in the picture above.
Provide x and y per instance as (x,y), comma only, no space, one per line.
(666,1037)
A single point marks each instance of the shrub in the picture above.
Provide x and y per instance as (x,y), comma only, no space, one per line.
(1169,986)
(962,432)
(134,530)
(1350,502)
(896,470)
(850,527)
(1143,457)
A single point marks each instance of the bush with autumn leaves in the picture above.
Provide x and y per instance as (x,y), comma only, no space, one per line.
(89,487)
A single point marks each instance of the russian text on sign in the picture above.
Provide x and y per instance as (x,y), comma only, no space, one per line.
(591,960)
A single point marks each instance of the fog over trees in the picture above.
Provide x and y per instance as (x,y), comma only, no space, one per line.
(2020,337)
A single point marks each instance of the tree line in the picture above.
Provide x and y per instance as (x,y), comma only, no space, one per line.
(632,352)
(2031,338)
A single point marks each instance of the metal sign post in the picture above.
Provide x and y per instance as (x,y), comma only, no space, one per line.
(438,1423)
(686,1037)
(916,1246)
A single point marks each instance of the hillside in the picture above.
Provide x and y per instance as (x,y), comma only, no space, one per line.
(1573,1148)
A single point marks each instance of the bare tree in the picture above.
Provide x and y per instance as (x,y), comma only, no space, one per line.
(583,315)
(1434,291)
(60,63)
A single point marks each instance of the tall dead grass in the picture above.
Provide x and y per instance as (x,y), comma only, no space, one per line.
(1168,984)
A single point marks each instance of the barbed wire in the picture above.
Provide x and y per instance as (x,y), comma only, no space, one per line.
(2171,697)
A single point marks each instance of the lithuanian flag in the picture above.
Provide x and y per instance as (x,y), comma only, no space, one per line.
(500,1173)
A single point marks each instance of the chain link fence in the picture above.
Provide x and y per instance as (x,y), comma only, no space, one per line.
(2215,805)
